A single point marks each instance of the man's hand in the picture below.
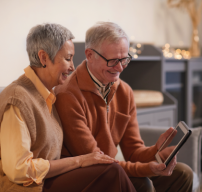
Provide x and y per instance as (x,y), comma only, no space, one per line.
(164,136)
(95,158)
(161,169)
(164,154)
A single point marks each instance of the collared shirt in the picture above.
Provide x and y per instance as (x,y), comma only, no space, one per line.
(24,169)
(46,94)
(104,90)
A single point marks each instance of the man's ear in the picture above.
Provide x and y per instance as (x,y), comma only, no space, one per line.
(89,54)
(43,56)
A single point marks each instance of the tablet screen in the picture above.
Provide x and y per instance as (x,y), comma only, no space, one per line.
(175,138)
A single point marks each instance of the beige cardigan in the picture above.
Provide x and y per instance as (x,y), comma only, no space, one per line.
(45,128)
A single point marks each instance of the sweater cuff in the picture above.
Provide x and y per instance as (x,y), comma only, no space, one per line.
(154,150)
(137,169)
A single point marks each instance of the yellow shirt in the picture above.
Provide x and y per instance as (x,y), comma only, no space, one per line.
(17,162)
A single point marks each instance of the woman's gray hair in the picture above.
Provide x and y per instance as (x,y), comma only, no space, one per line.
(49,37)
(102,31)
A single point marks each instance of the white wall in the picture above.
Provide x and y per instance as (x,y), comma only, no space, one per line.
(147,20)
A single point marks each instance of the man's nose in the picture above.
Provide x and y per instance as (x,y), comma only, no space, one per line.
(119,67)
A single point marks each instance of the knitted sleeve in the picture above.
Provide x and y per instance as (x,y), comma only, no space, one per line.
(132,145)
(78,138)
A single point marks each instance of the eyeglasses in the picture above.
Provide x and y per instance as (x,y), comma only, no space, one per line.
(114,62)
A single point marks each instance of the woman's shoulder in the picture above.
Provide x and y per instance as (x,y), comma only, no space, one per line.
(18,88)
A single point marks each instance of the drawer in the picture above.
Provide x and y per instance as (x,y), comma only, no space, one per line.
(161,118)
(145,119)
(164,118)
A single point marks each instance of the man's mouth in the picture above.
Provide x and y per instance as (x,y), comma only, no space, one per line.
(113,72)
(65,74)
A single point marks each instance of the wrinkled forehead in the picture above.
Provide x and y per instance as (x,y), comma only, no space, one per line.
(120,45)
(112,43)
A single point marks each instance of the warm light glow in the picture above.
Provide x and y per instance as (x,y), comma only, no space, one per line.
(177,54)
(167,45)
(196,38)
(139,45)
(135,56)
(170,55)
(178,51)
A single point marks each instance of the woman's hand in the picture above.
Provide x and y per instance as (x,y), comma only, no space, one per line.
(95,158)
(64,165)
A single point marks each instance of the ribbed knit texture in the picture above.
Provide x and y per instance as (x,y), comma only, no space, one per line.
(45,128)
(88,126)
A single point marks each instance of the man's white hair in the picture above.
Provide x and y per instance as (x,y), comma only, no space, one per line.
(102,31)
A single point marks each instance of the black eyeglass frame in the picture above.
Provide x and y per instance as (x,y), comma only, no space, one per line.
(120,60)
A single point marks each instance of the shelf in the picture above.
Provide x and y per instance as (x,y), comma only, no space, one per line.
(176,60)
(155,108)
(147,58)
(174,86)
(197,84)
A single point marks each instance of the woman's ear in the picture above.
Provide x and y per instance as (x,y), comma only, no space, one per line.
(43,56)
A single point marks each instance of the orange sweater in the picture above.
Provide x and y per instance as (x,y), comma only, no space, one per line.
(88,127)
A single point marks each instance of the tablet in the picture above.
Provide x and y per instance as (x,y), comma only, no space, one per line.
(174,142)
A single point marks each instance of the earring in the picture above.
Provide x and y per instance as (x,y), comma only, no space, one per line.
(44,66)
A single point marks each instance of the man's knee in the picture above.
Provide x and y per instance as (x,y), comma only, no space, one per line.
(142,184)
(184,172)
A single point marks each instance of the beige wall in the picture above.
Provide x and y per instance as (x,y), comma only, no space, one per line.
(147,20)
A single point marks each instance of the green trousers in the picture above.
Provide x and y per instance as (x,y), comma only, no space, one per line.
(181,180)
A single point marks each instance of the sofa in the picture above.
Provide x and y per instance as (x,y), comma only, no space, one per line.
(190,153)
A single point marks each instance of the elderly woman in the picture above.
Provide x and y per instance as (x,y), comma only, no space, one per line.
(31,131)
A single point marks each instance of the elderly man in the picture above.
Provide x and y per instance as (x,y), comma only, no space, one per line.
(98,112)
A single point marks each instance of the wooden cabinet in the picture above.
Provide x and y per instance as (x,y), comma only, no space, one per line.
(160,118)
(194,92)
(183,80)
(174,78)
